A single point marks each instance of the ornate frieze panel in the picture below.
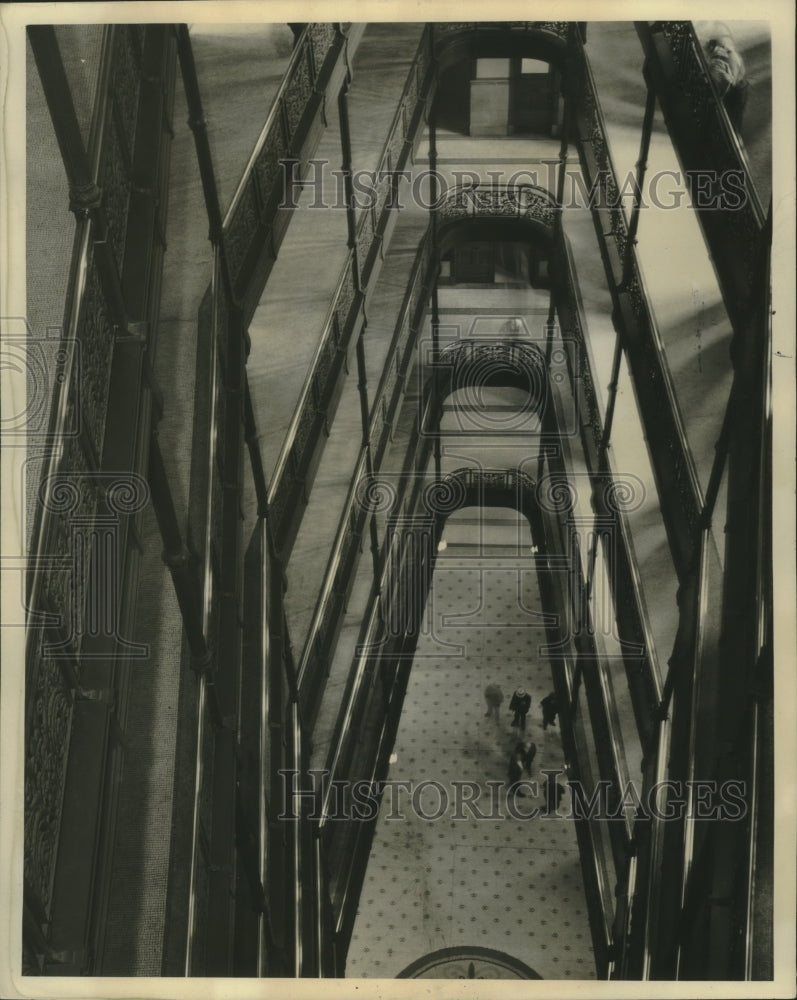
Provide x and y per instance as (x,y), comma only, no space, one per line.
(498,201)
(116,192)
(304,429)
(96,336)
(322,37)
(242,227)
(268,169)
(345,298)
(298,92)
(126,83)
(49,715)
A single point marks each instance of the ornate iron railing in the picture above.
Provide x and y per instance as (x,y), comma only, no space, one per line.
(253,210)
(318,399)
(632,619)
(71,491)
(364,495)
(81,570)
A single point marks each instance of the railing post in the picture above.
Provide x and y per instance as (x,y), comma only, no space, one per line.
(84,193)
(199,126)
(176,555)
(641,167)
(433,209)
(351,217)
(559,231)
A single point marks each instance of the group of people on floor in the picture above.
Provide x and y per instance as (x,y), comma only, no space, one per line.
(522,757)
(519,705)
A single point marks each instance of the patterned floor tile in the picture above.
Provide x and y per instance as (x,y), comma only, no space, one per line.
(473,874)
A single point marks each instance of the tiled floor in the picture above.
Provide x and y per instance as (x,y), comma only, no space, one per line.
(504,882)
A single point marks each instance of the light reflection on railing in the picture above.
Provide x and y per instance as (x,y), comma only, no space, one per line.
(305,396)
(655,857)
(86,235)
(752,843)
(296,833)
(604,886)
(626,579)
(763,645)
(338,546)
(264,749)
(695,669)
(380,755)
(353,700)
(207,609)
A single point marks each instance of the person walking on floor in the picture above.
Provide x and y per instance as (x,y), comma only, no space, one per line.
(549,710)
(494,697)
(520,705)
(515,772)
(529,753)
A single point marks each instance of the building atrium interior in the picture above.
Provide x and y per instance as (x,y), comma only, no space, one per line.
(388,369)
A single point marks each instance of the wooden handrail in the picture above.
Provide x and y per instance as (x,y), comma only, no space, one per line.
(332,567)
(307,387)
(298,54)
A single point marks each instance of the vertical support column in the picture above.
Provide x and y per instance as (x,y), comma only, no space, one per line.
(550,323)
(603,450)
(560,193)
(198,125)
(362,383)
(211,933)
(176,555)
(83,190)
(721,943)
(348,185)
(641,167)
(220,921)
(433,196)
